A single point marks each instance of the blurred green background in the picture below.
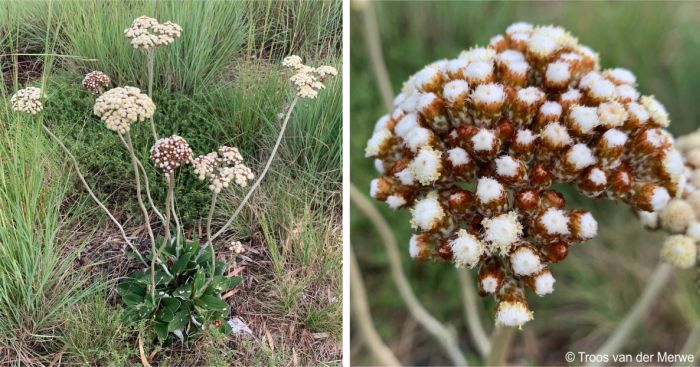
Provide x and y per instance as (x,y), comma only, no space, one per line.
(600,279)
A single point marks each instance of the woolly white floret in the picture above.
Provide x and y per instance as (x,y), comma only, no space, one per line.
(507,166)
(488,189)
(656,110)
(427,213)
(406,176)
(502,231)
(379,166)
(648,219)
(612,114)
(519,27)
(375,143)
(550,108)
(555,222)
(530,95)
(625,91)
(524,137)
(558,72)
(639,112)
(406,124)
(512,313)
(621,75)
(395,201)
(597,176)
(556,134)
(413,248)
(544,283)
(659,198)
(509,56)
(374,188)
(458,156)
(467,249)
(478,71)
(489,284)
(693,231)
(418,138)
(381,123)
(426,166)
(483,140)
(580,156)
(426,76)
(455,89)
(614,138)
(588,226)
(584,118)
(525,261)
(488,94)
(680,251)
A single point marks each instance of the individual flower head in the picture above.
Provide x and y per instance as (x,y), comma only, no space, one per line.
(512,119)
(170,153)
(120,107)
(27,100)
(307,80)
(146,33)
(95,81)
(222,167)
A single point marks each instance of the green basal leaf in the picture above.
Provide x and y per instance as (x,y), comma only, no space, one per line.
(161,329)
(179,320)
(184,291)
(212,303)
(198,283)
(181,263)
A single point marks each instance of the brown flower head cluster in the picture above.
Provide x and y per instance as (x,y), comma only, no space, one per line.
(170,153)
(222,167)
(475,144)
(95,81)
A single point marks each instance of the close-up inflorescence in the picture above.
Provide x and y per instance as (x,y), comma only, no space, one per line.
(146,33)
(27,100)
(681,218)
(95,81)
(308,80)
(120,107)
(222,167)
(475,144)
(170,153)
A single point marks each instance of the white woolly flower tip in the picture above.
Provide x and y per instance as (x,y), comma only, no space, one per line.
(550,108)
(612,114)
(656,110)
(395,201)
(509,56)
(648,219)
(588,226)
(580,156)
(467,249)
(524,137)
(374,188)
(598,177)
(585,118)
(458,156)
(379,166)
(478,71)
(503,230)
(673,163)
(602,89)
(426,166)
(399,99)
(418,138)
(557,134)
(406,124)
(426,76)
(489,284)
(495,39)
(378,139)
(455,65)
(571,95)
(542,44)
(381,123)
(614,138)
(659,198)
(588,52)
(455,89)
(525,261)
(519,27)
(570,57)
(589,79)
(413,248)
(639,112)
(518,67)
(680,251)
(478,54)
(621,75)
(555,221)
(427,213)
(693,231)
(512,313)
(530,95)
(406,177)
(558,72)
(488,189)
(626,91)
(483,140)
(488,94)
(507,166)
(544,283)
(425,100)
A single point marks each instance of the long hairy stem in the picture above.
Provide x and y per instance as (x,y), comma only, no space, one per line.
(657,283)
(92,194)
(151,202)
(471,310)
(374,49)
(173,209)
(150,55)
(500,346)
(363,318)
(255,185)
(146,217)
(168,200)
(209,241)
(440,332)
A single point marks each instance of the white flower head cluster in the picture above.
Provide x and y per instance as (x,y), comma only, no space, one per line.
(530,110)
(146,33)
(95,81)
(222,167)
(120,107)
(236,247)
(27,100)
(170,153)
(308,80)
